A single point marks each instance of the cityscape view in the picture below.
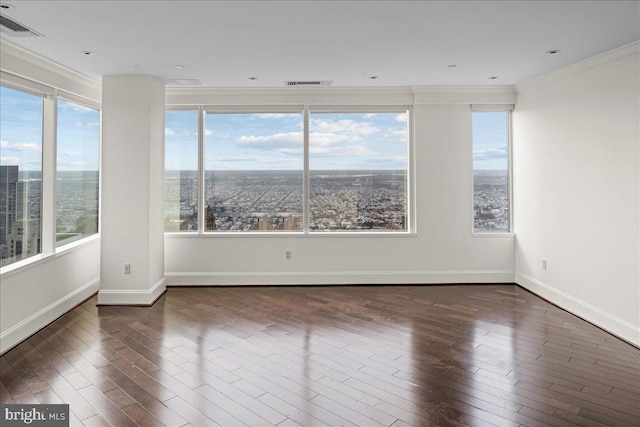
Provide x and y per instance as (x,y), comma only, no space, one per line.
(491,201)
(340,200)
(21,204)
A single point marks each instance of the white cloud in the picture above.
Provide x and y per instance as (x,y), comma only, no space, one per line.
(352,150)
(207,132)
(278,139)
(329,138)
(72,106)
(4,144)
(343,126)
(88,125)
(279,115)
(491,154)
(169,131)
(370,115)
(25,147)
(80,163)
(401,117)
(397,135)
(10,160)
(72,153)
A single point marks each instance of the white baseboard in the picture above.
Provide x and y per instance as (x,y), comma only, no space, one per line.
(339,277)
(32,324)
(131,296)
(588,312)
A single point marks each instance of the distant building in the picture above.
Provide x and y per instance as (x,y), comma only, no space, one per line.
(209,219)
(290,224)
(11,196)
(264,225)
(24,239)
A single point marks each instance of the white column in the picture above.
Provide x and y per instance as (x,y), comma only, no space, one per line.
(133,109)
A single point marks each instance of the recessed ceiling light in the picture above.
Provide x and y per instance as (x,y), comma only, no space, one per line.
(179,67)
(373,77)
(494,78)
(253,78)
(553,51)
(87,52)
(6,6)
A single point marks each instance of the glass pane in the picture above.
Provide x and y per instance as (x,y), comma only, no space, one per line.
(78,154)
(181,171)
(358,172)
(253,172)
(491,172)
(20,175)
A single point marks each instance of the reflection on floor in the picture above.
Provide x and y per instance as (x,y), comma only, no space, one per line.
(358,355)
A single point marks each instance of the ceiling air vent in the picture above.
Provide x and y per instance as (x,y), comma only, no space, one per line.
(15,29)
(308,83)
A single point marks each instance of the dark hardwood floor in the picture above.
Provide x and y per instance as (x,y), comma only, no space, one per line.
(368,356)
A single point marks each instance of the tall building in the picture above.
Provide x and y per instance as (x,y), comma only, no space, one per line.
(11,192)
(24,239)
(291,224)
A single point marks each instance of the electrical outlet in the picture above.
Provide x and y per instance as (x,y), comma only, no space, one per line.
(127,268)
(287,255)
(544,264)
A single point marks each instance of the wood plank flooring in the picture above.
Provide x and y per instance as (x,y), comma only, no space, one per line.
(479,355)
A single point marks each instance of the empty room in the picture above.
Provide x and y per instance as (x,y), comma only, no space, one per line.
(319,213)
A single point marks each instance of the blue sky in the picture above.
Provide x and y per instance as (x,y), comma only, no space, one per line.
(21,133)
(490,140)
(20,129)
(275,141)
(78,137)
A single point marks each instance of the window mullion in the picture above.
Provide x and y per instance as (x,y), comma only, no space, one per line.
(49,168)
(201,172)
(305,179)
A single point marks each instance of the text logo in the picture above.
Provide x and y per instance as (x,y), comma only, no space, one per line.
(34,415)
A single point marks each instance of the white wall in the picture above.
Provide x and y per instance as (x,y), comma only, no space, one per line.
(36,295)
(442,251)
(576,165)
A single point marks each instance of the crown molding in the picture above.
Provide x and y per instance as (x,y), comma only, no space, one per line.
(603,58)
(29,65)
(503,94)
(290,95)
(406,95)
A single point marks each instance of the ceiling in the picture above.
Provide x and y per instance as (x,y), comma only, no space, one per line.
(402,43)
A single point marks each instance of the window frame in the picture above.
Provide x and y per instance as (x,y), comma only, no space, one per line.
(50,95)
(84,102)
(21,85)
(498,108)
(306,110)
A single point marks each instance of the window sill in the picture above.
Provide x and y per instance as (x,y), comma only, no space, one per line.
(25,264)
(493,234)
(222,234)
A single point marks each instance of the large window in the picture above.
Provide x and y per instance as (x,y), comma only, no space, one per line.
(253,172)
(358,171)
(78,158)
(20,175)
(181,171)
(491,204)
(288,169)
